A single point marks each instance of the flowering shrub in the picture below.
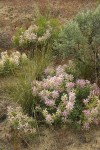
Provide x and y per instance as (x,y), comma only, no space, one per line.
(61,99)
(9,63)
(20,123)
(91,112)
(37,36)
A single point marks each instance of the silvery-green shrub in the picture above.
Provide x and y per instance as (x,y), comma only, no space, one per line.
(80,40)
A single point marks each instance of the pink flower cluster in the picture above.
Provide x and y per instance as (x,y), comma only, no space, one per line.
(57,94)
(91,116)
(82,83)
(91,112)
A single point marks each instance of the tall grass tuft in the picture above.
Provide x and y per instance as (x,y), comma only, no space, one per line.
(22,92)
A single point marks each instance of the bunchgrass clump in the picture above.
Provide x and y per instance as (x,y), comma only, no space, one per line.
(34,69)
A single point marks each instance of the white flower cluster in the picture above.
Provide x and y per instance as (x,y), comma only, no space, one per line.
(45,36)
(30,35)
(11,61)
(19,121)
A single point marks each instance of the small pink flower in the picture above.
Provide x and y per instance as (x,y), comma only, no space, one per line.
(45,85)
(70,85)
(50,103)
(64,99)
(81,83)
(49,119)
(65,113)
(86,126)
(69,77)
(69,106)
(60,70)
(85,101)
(72,96)
(96,90)
(86,113)
(55,94)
